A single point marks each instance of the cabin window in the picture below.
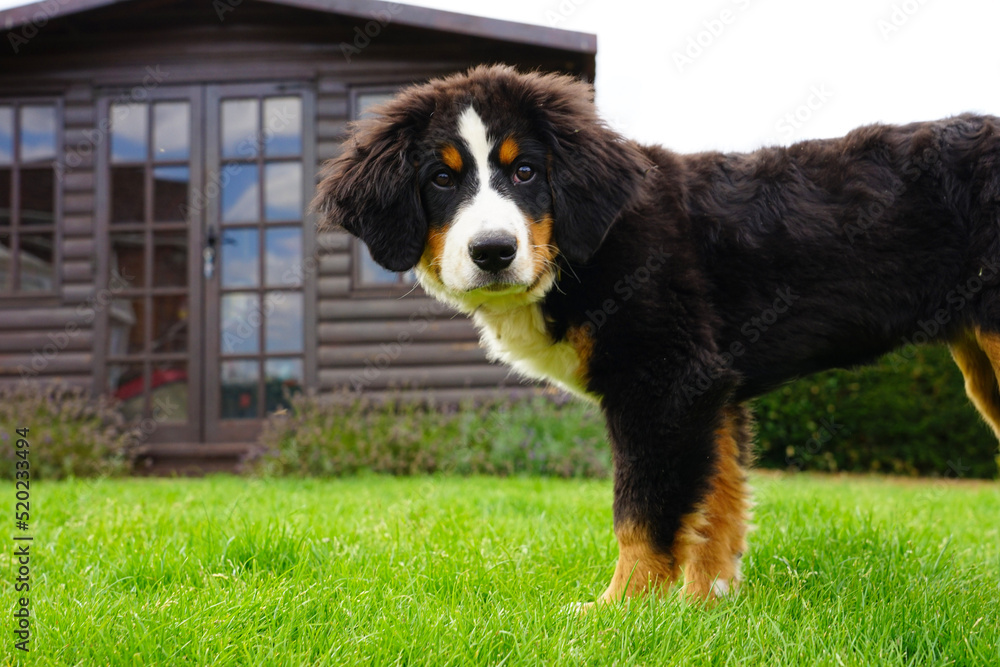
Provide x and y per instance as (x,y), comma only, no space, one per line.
(368,274)
(28,143)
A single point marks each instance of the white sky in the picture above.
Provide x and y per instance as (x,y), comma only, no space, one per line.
(943,59)
(869,60)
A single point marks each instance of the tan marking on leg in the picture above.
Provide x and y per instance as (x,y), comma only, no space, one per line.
(712,539)
(640,567)
(451,157)
(509,150)
(990,345)
(978,357)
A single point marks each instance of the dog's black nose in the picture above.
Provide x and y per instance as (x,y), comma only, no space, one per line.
(493,253)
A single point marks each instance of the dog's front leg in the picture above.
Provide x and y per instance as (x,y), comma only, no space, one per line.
(681,500)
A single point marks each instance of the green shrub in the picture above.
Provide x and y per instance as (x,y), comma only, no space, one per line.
(70,434)
(536,436)
(905,415)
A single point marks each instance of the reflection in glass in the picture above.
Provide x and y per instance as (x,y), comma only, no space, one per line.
(38,271)
(241,193)
(170,254)
(365,102)
(125,382)
(128,194)
(283,248)
(371,273)
(128,259)
(284,322)
(170,324)
(171,131)
(168,392)
(5,196)
(6,277)
(170,194)
(283,191)
(282,126)
(241,320)
(6,135)
(128,132)
(283,379)
(38,133)
(127,323)
(239,381)
(239,129)
(38,196)
(240,258)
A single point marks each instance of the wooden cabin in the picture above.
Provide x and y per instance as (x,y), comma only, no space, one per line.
(157,158)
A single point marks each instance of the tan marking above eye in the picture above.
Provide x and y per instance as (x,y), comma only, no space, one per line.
(509,150)
(451,157)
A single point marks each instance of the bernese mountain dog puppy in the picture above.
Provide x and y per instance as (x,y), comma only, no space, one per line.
(671,289)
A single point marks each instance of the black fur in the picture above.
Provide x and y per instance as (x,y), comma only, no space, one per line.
(593,173)
(372,190)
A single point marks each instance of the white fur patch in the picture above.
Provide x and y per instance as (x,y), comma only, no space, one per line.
(723,587)
(473,132)
(720,588)
(518,337)
(488,212)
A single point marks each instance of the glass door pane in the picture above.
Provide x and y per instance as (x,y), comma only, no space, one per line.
(256,337)
(152,359)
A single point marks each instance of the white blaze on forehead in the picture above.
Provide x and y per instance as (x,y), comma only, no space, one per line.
(489,210)
(473,132)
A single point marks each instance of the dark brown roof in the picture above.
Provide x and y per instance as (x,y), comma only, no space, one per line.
(418,17)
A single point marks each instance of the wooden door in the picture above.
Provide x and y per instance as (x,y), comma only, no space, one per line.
(202,196)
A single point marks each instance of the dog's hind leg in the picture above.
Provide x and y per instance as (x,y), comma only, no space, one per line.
(977,354)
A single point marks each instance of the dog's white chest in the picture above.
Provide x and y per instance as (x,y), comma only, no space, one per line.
(519,337)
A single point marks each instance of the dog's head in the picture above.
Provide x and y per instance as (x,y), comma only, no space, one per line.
(483,181)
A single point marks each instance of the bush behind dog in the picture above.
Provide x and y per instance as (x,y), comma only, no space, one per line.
(71,434)
(903,417)
(534,436)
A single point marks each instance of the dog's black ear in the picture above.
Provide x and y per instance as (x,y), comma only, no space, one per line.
(594,173)
(371,189)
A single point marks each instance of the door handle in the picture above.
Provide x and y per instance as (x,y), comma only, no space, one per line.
(208,253)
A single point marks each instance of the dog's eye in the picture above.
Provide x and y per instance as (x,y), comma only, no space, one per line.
(443,179)
(524,173)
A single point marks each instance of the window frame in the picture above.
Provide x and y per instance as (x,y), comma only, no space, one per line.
(406,281)
(38,297)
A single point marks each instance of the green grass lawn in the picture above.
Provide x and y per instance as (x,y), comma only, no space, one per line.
(480,571)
